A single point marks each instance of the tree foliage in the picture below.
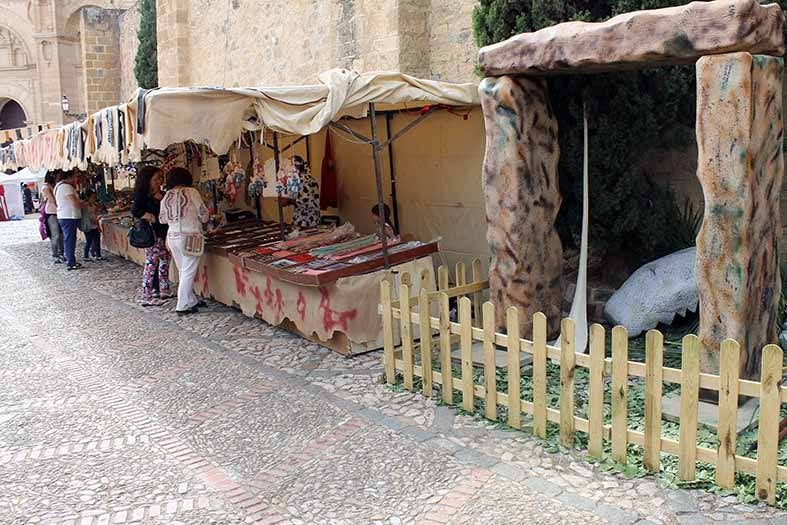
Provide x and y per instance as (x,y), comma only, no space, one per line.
(146,65)
(629,114)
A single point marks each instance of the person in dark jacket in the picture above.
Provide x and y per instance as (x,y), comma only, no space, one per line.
(27,199)
(147,205)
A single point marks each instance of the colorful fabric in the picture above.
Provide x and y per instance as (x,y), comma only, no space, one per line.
(156,259)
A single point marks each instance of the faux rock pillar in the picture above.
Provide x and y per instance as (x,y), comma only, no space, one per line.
(740,167)
(520,183)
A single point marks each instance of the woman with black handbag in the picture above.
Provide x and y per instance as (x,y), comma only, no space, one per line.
(146,208)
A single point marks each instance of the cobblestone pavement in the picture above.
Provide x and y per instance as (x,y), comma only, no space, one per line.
(112,413)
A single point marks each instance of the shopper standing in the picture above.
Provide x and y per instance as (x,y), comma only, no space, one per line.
(69,214)
(91,227)
(50,209)
(184,211)
(147,206)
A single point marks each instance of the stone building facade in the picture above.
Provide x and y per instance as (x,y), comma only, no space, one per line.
(275,42)
(51,48)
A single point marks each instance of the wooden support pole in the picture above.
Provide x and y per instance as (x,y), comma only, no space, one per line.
(378,178)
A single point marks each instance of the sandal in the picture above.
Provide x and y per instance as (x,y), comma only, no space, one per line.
(152,302)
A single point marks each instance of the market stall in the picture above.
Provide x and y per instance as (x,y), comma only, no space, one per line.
(322,281)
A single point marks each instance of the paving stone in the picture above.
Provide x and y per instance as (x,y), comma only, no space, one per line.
(116,411)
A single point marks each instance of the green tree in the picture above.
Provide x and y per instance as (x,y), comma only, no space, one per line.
(629,114)
(146,66)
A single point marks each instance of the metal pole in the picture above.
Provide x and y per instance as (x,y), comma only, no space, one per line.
(277,167)
(378,176)
(394,198)
(309,149)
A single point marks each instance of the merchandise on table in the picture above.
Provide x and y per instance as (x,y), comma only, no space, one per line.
(314,258)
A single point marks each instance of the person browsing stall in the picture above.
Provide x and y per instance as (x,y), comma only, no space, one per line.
(389,229)
(50,210)
(147,206)
(184,211)
(69,215)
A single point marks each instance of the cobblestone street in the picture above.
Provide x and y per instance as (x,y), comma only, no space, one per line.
(114,413)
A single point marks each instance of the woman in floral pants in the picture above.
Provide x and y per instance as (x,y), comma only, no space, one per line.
(147,204)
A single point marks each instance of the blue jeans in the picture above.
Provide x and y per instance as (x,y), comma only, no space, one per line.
(93,243)
(69,227)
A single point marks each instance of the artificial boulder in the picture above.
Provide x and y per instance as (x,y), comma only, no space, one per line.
(520,184)
(655,293)
(673,35)
(740,167)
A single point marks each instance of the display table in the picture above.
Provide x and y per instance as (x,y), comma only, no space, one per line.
(340,314)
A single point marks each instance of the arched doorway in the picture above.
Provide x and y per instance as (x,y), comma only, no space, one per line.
(12,115)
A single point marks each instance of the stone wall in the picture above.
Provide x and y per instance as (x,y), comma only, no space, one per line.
(452,49)
(100,34)
(244,42)
(129,26)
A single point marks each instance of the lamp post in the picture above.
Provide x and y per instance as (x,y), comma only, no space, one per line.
(65,105)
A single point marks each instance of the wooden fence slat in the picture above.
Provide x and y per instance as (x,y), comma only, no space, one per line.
(490,365)
(466,345)
(514,395)
(567,367)
(477,306)
(540,375)
(426,341)
(445,350)
(407,334)
(689,405)
(425,280)
(728,413)
(388,340)
(768,438)
(654,361)
(596,395)
(619,394)
(442,278)
(461,274)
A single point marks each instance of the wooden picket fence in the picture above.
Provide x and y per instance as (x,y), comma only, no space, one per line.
(440,332)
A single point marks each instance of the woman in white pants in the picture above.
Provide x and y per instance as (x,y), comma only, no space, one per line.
(185,213)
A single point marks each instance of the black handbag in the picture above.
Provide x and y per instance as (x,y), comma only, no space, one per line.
(141,235)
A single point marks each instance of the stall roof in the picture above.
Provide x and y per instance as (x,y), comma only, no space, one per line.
(25,175)
(217,116)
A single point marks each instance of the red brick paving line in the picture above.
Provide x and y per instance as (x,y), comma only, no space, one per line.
(311,450)
(450,504)
(166,373)
(244,397)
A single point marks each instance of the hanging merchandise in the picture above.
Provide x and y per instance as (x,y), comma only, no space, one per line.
(234,174)
(288,183)
(329,186)
(257,183)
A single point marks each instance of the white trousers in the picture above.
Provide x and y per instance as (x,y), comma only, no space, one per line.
(187,270)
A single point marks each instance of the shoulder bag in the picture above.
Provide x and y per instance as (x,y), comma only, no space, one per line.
(141,235)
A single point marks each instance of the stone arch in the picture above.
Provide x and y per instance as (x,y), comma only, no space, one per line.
(69,8)
(12,114)
(21,93)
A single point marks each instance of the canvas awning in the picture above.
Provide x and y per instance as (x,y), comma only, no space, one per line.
(217,116)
